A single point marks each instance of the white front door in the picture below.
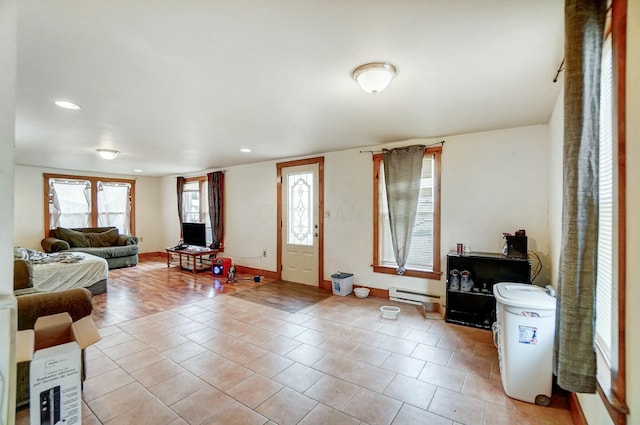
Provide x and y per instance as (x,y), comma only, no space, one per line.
(300,212)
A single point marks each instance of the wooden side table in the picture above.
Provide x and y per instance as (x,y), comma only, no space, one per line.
(192,254)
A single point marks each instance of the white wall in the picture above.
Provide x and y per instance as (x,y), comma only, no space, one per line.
(492,182)
(7,125)
(29,208)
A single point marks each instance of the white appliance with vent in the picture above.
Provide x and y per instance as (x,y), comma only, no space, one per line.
(524,332)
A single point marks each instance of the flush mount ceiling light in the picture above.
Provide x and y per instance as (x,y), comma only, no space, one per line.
(374,77)
(107,153)
(67,105)
(245,150)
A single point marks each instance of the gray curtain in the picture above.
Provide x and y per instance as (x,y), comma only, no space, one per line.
(402,172)
(179,191)
(575,359)
(216,200)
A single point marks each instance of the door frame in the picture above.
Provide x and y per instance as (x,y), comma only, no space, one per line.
(279,166)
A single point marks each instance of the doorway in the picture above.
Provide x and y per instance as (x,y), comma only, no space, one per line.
(300,195)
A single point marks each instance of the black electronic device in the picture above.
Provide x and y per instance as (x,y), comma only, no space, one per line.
(194,234)
(50,406)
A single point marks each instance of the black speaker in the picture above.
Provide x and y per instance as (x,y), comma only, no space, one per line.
(517,246)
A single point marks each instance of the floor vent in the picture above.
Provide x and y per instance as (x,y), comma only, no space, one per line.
(411,297)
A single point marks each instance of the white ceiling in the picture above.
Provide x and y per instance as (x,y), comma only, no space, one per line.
(179,86)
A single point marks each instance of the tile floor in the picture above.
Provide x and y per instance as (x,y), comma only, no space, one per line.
(228,361)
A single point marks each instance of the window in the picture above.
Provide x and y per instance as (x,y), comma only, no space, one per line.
(424,255)
(195,203)
(79,201)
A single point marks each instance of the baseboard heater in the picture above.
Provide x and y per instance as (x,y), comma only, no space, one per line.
(412,297)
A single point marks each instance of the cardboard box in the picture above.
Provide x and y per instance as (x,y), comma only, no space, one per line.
(53,347)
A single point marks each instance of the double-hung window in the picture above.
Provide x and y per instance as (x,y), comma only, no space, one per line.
(80,201)
(195,203)
(424,254)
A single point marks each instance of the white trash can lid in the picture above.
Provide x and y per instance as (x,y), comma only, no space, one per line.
(523,295)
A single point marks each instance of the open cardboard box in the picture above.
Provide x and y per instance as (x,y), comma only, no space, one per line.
(53,347)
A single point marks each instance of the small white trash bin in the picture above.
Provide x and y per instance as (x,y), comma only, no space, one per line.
(524,332)
(342,283)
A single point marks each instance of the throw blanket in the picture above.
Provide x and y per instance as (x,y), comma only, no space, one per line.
(39,257)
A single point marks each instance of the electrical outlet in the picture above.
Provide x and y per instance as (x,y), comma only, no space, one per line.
(264,253)
(141,239)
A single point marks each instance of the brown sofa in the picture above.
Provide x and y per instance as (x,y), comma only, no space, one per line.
(76,302)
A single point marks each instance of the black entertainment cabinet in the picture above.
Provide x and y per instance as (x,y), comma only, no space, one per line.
(477,307)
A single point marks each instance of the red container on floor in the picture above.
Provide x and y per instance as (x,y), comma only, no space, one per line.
(221,266)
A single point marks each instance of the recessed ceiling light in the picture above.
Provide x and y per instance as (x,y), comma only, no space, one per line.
(67,105)
(245,150)
(137,170)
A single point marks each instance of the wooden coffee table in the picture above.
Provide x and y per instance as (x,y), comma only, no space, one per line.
(193,255)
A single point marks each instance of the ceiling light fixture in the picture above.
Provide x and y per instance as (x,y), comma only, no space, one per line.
(374,77)
(245,150)
(67,105)
(108,153)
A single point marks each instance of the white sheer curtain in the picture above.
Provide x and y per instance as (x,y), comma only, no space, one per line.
(114,206)
(69,203)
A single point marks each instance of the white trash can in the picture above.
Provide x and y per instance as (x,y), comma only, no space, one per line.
(524,333)
(342,283)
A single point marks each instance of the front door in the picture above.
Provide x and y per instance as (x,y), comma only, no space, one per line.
(300,225)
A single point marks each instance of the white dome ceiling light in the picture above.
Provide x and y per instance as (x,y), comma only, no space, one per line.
(65,104)
(107,153)
(374,77)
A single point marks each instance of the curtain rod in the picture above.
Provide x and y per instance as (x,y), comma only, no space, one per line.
(426,146)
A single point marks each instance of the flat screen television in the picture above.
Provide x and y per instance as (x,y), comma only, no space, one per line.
(194,234)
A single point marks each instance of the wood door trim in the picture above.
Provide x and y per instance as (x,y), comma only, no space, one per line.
(279,166)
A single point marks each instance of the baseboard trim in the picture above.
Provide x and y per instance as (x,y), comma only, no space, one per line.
(151,254)
(577,414)
(256,272)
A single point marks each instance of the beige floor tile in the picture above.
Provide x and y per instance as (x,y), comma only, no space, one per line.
(443,376)
(486,351)
(411,391)
(432,354)
(297,318)
(404,365)
(202,363)
(280,345)
(338,345)
(184,351)
(109,330)
(152,412)
(486,389)
(245,353)
(298,377)
(455,342)
(177,387)
(306,354)
(226,374)
(223,343)
(398,345)
(312,337)
(423,337)
(254,390)
(139,360)
(157,372)
(125,349)
(105,383)
(286,407)
(120,401)
(367,337)
(148,333)
(411,415)
(164,342)
(91,420)
(290,330)
(368,354)
(258,336)
(458,407)
(201,405)
(373,408)
(269,364)
(175,320)
(114,339)
(500,415)
(99,364)
(203,335)
(335,365)
(394,330)
(324,415)
(332,391)
(368,376)
(236,414)
(188,327)
(471,364)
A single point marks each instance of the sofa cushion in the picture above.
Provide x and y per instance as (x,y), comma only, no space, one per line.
(110,252)
(103,239)
(74,238)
